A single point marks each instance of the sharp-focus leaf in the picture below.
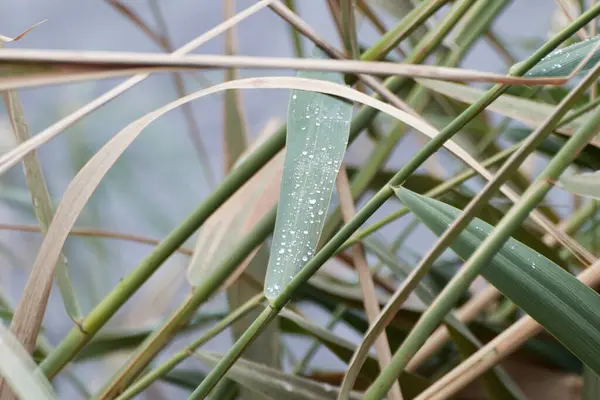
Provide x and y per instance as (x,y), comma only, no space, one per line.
(585,184)
(563,61)
(529,112)
(19,370)
(317,136)
(567,308)
(273,383)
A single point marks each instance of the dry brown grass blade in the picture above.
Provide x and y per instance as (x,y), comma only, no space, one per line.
(365,280)
(238,215)
(493,352)
(6,39)
(306,30)
(42,206)
(90,232)
(97,63)
(133,17)
(14,156)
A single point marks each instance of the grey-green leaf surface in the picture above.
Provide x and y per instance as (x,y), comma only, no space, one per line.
(273,383)
(564,306)
(564,61)
(585,184)
(42,204)
(529,112)
(317,136)
(19,370)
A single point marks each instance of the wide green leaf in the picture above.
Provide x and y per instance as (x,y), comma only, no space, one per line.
(564,306)
(317,136)
(562,62)
(586,184)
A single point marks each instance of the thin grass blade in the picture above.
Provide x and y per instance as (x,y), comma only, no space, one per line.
(529,112)
(567,308)
(273,383)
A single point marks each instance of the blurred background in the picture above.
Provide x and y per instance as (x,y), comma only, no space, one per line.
(161,178)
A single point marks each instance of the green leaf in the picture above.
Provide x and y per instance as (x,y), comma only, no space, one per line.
(273,383)
(591,385)
(588,158)
(19,370)
(42,203)
(586,184)
(411,384)
(529,112)
(461,334)
(317,136)
(563,61)
(564,306)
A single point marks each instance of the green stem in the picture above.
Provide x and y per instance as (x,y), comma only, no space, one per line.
(435,192)
(402,30)
(156,341)
(235,352)
(314,346)
(172,362)
(513,219)
(377,201)
(417,99)
(349,29)
(80,335)
(296,37)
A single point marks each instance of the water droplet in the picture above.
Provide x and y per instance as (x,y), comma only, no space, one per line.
(304,153)
(304,258)
(312,201)
(305,232)
(281,251)
(320,212)
(294,96)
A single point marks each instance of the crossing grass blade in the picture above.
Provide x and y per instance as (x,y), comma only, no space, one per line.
(565,307)
(564,61)
(273,383)
(317,136)
(529,112)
